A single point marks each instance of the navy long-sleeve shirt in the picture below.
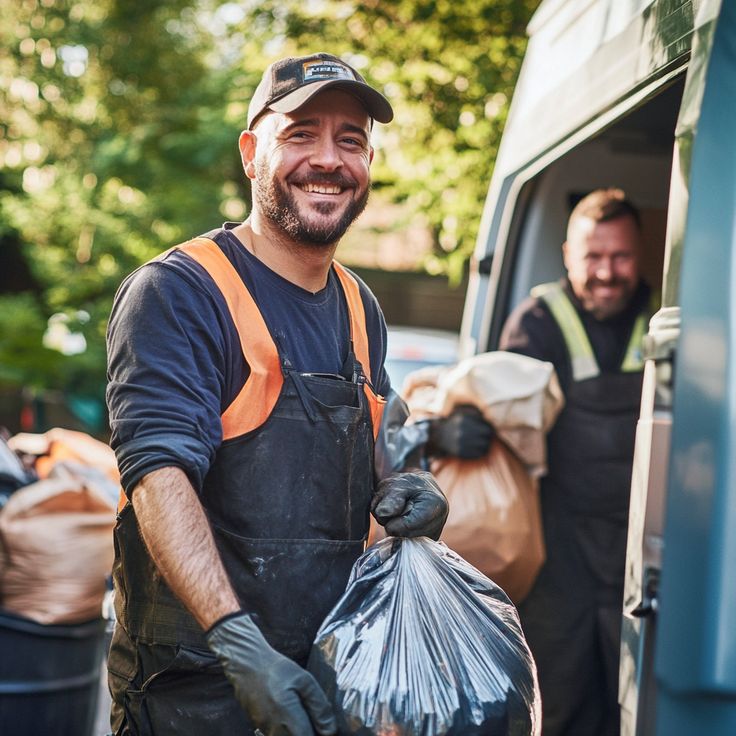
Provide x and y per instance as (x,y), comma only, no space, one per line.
(175,362)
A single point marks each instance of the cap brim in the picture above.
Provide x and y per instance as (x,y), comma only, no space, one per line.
(375,103)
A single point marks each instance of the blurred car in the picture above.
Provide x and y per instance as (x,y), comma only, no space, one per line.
(412,348)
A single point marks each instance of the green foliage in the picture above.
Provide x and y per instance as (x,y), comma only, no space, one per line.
(114,144)
(449,68)
(119,123)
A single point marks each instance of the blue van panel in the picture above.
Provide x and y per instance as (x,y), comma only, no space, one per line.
(696,652)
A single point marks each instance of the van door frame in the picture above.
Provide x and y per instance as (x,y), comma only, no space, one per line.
(484,315)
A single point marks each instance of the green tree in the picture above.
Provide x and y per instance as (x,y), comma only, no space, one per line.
(114,142)
(449,68)
(118,129)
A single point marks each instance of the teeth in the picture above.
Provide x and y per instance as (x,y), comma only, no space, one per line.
(321,189)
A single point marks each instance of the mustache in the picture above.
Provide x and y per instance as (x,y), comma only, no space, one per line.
(334,178)
(609,282)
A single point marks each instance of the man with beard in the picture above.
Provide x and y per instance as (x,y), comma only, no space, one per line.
(590,326)
(246,388)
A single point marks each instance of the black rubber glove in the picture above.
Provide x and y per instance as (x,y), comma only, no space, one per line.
(410,505)
(279,696)
(464,434)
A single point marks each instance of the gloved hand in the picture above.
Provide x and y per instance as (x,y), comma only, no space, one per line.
(279,696)
(464,434)
(410,505)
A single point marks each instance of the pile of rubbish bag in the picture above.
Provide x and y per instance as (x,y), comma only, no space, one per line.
(58,498)
(423,644)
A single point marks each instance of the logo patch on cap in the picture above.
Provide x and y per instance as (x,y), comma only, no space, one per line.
(325,70)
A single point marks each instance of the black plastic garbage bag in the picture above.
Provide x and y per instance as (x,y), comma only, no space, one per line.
(423,644)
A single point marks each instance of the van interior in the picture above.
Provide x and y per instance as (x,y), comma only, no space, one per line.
(634,153)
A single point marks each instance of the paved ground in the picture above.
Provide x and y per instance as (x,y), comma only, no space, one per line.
(102,722)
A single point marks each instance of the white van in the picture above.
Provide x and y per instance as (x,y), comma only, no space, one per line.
(641,94)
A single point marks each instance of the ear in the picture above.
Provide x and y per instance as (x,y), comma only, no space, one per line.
(247,144)
(565,250)
(370,155)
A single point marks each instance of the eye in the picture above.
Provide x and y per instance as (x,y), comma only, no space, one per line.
(353,142)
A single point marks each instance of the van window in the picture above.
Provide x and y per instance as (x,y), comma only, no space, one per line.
(635,154)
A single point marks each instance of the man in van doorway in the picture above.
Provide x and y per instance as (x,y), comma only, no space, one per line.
(589,325)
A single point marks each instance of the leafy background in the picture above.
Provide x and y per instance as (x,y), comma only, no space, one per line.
(118,129)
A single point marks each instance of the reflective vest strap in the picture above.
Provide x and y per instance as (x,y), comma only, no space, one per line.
(359,337)
(584,364)
(634,360)
(259,394)
(358,332)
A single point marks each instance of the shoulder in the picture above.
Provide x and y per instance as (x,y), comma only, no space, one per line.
(171,290)
(529,313)
(531,330)
(375,325)
(169,272)
(373,314)
(175,271)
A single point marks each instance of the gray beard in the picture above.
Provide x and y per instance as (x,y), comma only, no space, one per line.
(280,207)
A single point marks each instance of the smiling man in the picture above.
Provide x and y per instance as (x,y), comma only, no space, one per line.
(246,387)
(590,326)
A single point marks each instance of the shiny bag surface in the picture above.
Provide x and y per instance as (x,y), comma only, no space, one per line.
(423,644)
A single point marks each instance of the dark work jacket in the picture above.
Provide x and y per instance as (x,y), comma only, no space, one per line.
(591,446)
(287,496)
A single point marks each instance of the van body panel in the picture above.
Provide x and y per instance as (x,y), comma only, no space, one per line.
(642,94)
(644,701)
(687,123)
(582,59)
(698,593)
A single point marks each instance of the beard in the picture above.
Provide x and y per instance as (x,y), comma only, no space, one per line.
(605,309)
(281,208)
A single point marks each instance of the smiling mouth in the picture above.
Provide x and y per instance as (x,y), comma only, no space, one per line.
(321,188)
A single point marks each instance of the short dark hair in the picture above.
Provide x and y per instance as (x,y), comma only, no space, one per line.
(602,205)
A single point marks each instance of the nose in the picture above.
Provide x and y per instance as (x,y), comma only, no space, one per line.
(325,154)
(604,269)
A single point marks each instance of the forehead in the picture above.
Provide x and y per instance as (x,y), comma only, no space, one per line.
(621,234)
(328,106)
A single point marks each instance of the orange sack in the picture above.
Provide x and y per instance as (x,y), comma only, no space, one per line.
(56,549)
(495,518)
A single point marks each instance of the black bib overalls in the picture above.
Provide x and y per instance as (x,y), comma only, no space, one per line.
(287,499)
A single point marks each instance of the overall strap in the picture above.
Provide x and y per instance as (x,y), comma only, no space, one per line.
(256,400)
(584,364)
(359,338)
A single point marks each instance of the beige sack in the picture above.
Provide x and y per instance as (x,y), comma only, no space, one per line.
(520,396)
(494,520)
(56,549)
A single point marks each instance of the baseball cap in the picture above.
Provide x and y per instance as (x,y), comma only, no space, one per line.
(288,83)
